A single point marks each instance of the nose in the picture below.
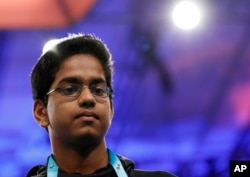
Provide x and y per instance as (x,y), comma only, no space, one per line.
(86,99)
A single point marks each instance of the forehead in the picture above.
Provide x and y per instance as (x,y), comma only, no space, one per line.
(84,67)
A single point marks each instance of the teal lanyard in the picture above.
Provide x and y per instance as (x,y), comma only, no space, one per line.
(52,167)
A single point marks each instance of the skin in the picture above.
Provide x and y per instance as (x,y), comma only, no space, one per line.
(77,142)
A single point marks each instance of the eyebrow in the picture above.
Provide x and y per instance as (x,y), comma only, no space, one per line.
(96,81)
(75,80)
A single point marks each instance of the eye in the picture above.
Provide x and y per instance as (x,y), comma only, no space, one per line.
(99,91)
(70,90)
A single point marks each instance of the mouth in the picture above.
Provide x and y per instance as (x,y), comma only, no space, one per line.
(87,115)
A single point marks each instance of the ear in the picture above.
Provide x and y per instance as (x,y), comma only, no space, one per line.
(40,113)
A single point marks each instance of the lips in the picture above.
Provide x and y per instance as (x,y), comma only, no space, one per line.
(87,114)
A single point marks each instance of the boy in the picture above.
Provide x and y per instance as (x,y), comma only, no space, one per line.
(72,92)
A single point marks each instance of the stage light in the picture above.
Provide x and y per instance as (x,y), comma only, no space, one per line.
(186,15)
(49,45)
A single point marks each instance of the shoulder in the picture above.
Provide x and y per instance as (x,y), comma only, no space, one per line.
(37,171)
(144,173)
(129,167)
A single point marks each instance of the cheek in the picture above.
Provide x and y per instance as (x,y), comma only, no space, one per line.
(108,114)
(57,112)
(111,112)
(52,108)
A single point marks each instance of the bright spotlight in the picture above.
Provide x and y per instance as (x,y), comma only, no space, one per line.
(50,44)
(186,15)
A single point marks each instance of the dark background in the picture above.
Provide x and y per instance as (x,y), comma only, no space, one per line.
(182,98)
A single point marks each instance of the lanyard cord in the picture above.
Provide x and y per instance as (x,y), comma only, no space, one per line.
(52,167)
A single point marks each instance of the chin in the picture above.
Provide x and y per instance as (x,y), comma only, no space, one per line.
(87,139)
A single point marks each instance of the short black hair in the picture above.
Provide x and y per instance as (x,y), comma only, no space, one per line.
(48,64)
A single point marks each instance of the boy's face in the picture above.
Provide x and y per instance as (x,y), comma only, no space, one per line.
(83,119)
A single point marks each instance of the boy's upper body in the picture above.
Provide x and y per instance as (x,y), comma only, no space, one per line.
(108,171)
(72,92)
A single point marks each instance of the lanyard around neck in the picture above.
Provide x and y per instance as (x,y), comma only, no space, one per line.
(52,167)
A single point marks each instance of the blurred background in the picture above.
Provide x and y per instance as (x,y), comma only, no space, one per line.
(182,95)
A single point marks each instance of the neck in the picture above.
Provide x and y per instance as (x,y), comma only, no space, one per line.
(84,161)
